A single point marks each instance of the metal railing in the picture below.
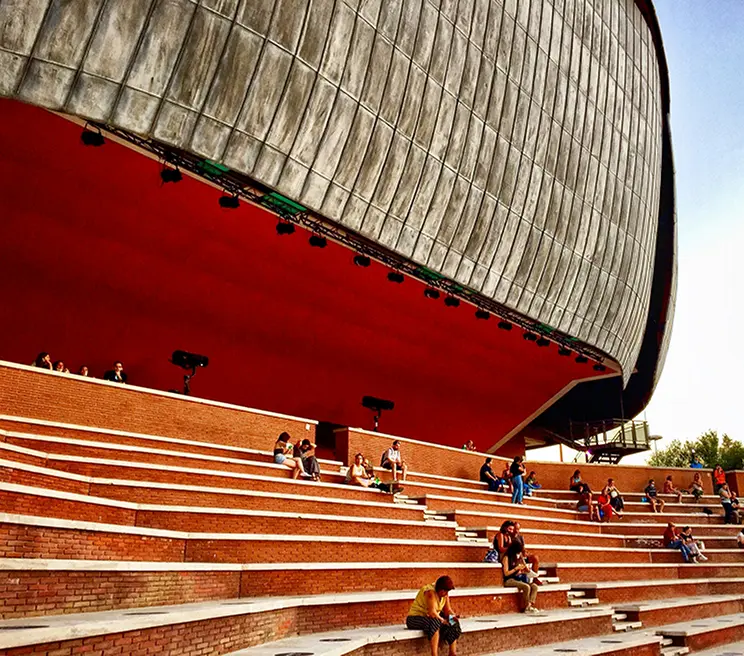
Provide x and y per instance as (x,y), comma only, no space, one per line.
(613,432)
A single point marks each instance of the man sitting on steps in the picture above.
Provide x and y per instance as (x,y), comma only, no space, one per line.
(393,460)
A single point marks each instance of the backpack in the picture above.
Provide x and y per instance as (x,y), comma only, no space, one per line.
(492,556)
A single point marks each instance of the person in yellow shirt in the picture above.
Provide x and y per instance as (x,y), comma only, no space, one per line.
(431,613)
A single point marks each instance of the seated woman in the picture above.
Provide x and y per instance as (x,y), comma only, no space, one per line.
(604,508)
(282,449)
(517,574)
(616,499)
(530,558)
(696,487)
(670,489)
(696,547)
(504,538)
(586,504)
(357,474)
(531,483)
(310,463)
(432,613)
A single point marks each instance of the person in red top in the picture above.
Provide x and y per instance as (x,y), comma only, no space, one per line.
(719,478)
(604,508)
(673,541)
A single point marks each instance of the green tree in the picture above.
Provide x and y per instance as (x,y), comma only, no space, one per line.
(709,449)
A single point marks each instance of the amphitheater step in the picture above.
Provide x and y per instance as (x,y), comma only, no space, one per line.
(704,633)
(730,649)
(479,635)
(645,590)
(664,611)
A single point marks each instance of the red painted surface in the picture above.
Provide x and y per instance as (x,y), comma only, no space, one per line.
(99,261)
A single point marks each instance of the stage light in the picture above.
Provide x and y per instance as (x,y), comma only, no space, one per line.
(229,202)
(377,406)
(542,342)
(188,361)
(316,241)
(564,351)
(362,261)
(431,293)
(505,325)
(170,175)
(482,314)
(530,337)
(599,367)
(396,277)
(283,228)
(451,301)
(92,138)
(580,359)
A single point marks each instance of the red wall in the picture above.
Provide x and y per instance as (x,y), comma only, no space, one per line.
(99,261)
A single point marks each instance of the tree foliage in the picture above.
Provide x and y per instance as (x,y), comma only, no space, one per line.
(709,449)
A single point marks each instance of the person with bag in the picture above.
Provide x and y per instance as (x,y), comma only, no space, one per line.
(432,613)
(517,574)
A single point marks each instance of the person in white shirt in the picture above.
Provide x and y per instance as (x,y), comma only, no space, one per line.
(740,539)
(393,460)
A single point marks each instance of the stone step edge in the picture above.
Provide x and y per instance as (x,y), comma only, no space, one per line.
(661,604)
(707,625)
(358,638)
(57,628)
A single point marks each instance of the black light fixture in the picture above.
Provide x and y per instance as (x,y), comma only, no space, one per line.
(316,241)
(451,301)
(396,277)
(431,293)
(542,342)
(599,367)
(530,337)
(362,261)
(505,325)
(170,175)
(284,228)
(482,314)
(581,359)
(188,361)
(564,351)
(229,202)
(92,137)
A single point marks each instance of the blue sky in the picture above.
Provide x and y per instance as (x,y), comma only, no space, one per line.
(701,386)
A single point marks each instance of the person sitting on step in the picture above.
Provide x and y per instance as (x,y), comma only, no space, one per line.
(697,490)
(517,575)
(392,459)
(672,540)
(740,539)
(530,558)
(652,495)
(670,489)
(469,446)
(530,483)
(432,613)
(604,508)
(310,464)
(357,475)
(695,546)
(731,515)
(504,538)
(487,476)
(282,450)
(586,504)
(43,361)
(616,499)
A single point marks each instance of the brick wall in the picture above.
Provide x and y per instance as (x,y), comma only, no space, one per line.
(434,459)
(37,394)
(735,479)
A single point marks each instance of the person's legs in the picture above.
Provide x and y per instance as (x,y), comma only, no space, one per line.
(661,505)
(431,628)
(524,590)
(450,633)
(518,487)
(533,593)
(404,470)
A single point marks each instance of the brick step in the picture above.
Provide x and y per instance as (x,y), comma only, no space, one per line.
(54,448)
(572,572)
(704,633)
(234,625)
(66,505)
(26,428)
(688,609)
(75,474)
(21,427)
(634,643)
(49,587)
(448,503)
(479,636)
(655,529)
(633,497)
(554,537)
(619,592)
